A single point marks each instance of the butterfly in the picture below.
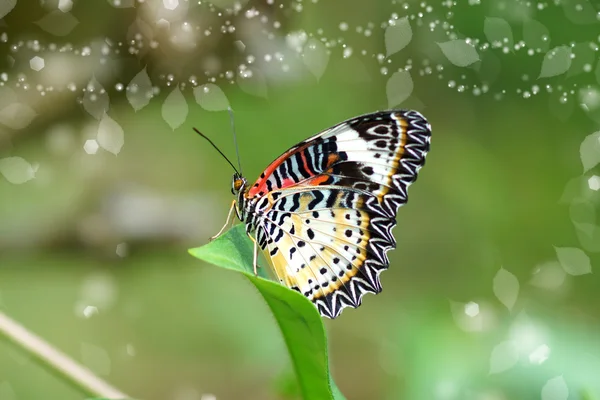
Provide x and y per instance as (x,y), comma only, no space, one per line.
(323,212)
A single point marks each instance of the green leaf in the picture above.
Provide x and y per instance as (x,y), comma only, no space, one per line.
(298,319)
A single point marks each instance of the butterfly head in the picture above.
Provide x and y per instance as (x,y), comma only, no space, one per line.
(238,184)
(238,189)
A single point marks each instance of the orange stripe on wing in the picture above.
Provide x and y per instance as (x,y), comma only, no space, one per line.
(260,184)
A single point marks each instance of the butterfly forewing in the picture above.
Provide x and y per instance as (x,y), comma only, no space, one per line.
(324,211)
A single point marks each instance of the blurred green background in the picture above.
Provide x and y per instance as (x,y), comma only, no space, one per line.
(488,295)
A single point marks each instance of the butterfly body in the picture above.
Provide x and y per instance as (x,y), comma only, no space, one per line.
(323,212)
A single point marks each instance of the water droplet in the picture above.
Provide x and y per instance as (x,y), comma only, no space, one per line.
(594,183)
(471,309)
(91,146)
(36,63)
(89,311)
(540,354)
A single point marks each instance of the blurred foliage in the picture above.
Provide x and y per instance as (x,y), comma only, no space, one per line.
(93,249)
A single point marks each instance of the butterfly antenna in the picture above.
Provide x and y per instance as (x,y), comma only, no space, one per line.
(216,148)
(237,149)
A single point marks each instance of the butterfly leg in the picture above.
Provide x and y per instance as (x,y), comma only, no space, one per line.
(226,222)
(255,253)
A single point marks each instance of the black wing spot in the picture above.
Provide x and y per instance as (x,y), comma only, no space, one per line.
(341,273)
(336,260)
(348,233)
(317,197)
(311,234)
(381,144)
(347,216)
(368,170)
(323,271)
(301,243)
(315,214)
(312,257)
(279,235)
(331,199)
(382,130)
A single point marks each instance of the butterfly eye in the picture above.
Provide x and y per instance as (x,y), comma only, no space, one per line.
(237,184)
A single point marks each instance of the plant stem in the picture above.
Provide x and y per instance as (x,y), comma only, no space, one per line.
(56,360)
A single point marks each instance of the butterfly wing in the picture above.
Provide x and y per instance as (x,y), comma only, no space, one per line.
(373,152)
(328,244)
(329,205)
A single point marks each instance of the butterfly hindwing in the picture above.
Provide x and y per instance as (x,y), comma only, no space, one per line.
(329,244)
(324,211)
